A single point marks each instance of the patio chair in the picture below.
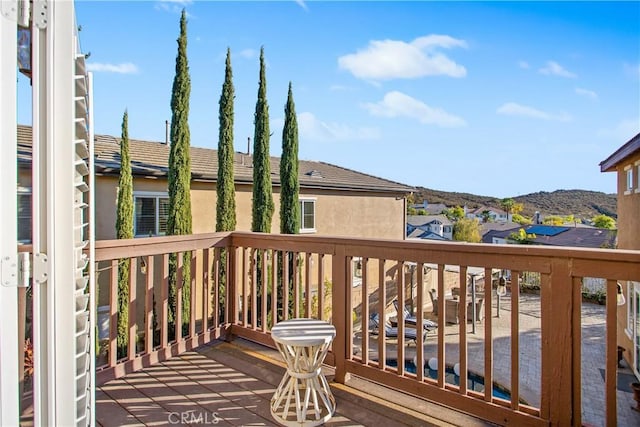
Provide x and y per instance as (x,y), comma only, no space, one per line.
(392,331)
(410,318)
(452,310)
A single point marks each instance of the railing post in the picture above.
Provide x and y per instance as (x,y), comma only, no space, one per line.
(611,363)
(232,294)
(339,305)
(556,302)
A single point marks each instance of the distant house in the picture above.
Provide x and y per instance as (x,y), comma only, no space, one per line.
(625,162)
(551,235)
(432,227)
(494,215)
(334,200)
(430,208)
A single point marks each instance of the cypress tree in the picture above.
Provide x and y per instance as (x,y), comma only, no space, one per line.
(262,208)
(226,193)
(289,185)
(225,188)
(124,230)
(179,219)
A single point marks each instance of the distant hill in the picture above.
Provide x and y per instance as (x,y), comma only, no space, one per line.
(581,203)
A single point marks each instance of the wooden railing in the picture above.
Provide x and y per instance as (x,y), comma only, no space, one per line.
(317,280)
(151,338)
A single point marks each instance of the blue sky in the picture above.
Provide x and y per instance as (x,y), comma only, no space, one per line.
(492,98)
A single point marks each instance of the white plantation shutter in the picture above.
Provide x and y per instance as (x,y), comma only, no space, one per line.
(145,209)
(82,241)
(64,318)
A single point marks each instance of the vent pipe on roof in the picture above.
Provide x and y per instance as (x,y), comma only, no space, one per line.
(166,132)
(248,145)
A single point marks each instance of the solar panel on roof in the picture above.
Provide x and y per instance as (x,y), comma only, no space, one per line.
(546,230)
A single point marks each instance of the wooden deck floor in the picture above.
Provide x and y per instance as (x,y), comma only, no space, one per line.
(232,384)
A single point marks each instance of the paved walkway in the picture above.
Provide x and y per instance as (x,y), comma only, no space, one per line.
(593,357)
(593,360)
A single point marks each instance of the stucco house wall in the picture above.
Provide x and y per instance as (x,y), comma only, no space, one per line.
(628,224)
(629,205)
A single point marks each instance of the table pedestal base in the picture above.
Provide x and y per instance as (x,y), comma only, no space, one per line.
(303,397)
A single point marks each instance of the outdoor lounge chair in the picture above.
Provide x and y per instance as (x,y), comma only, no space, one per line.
(392,331)
(410,318)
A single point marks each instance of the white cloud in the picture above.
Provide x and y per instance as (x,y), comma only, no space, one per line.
(248,53)
(398,104)
(586,93)
(396,59)
(302,4)
(555,69)
(523,64)
(124,68)
(312,128)
(173,6)
(623,131)
(514,109)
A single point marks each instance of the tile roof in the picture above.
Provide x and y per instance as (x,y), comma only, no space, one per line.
(481,209)
(424,235)
(486,227)
(581,237)
(423,220)
(150,158)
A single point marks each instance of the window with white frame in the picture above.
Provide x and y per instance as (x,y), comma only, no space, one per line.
(24,215)
(150,214)
(307,215)
(629,174)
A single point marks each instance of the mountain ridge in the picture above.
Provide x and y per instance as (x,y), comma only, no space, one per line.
(581,203)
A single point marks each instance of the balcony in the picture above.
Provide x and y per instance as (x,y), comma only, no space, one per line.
(536,353)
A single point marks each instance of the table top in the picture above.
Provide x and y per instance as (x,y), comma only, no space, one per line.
(303,332)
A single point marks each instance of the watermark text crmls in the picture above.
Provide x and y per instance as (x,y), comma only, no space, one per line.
(193,417)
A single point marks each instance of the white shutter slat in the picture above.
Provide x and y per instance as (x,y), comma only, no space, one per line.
(83,331)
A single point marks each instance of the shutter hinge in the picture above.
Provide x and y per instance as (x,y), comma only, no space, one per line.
(40,14)
(9,10)
(40,268)
(17,11)
(16,271)
(9,271)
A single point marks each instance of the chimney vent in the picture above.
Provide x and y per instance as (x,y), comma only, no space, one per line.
(248,145)
(166,132)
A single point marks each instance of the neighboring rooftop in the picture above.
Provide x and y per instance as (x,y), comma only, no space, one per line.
(486,227)
(551,235)
(480,210)
(430,208)
(630,147)
(424,220)
(150,158)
